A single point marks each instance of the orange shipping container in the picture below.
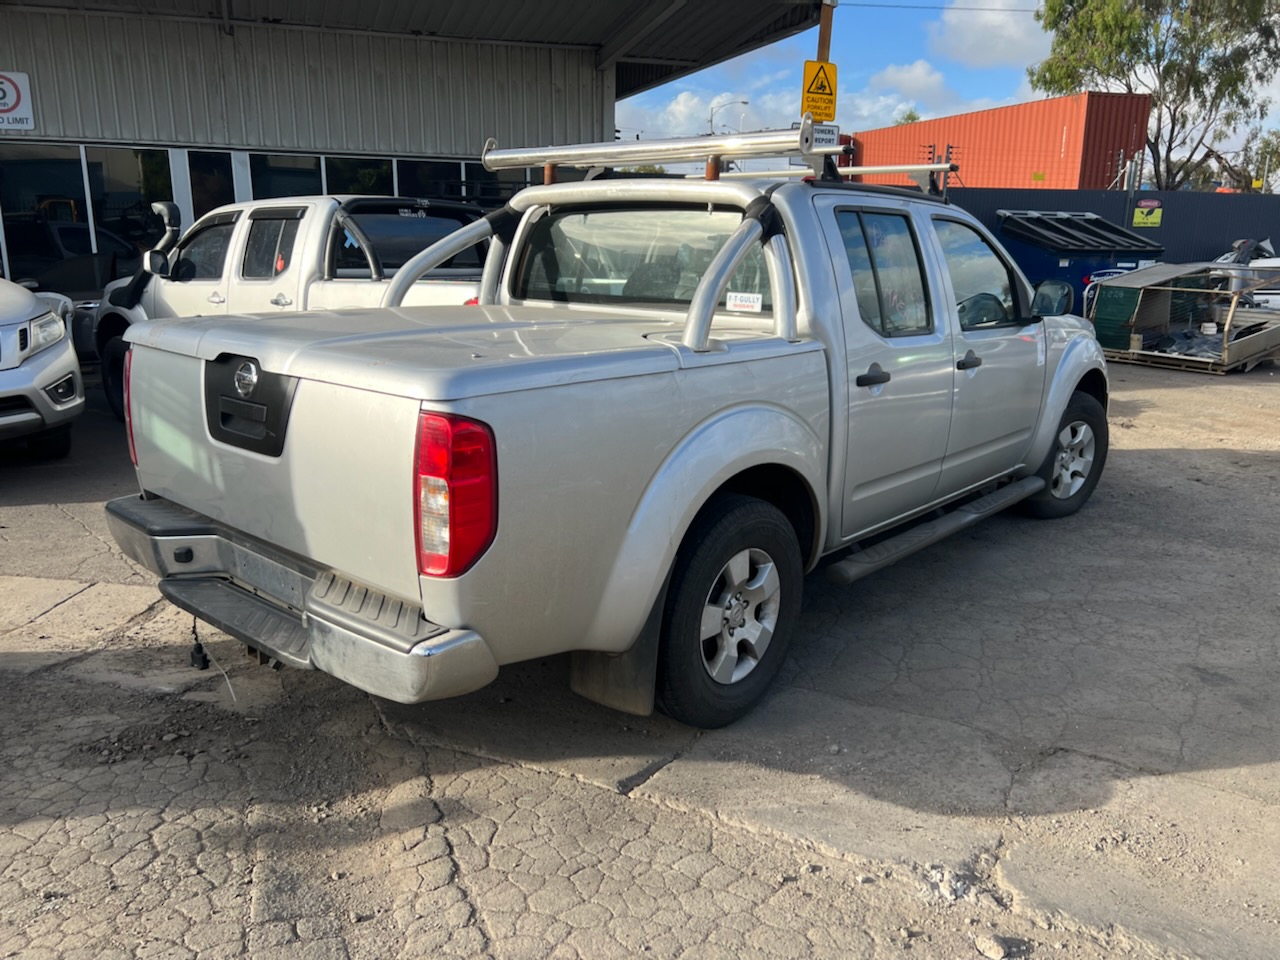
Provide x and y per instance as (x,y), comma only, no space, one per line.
(1064,143)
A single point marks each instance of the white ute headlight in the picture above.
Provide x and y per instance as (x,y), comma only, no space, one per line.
(46,331)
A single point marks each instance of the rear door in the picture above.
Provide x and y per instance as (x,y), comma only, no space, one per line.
(898,361)
(999,360)
(199,271)
(268,272)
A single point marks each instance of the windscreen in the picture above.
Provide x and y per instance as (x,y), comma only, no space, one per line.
(628,256)
(398,233)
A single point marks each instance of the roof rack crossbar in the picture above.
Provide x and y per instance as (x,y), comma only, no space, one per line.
(877,170)
(767,143)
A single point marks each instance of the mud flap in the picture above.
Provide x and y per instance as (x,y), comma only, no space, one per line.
(623,681)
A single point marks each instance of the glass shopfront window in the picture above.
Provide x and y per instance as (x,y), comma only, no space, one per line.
(358,175)
(212,182)
(282,175)
(492,188)
(46,228)
(123,184)
(432,179)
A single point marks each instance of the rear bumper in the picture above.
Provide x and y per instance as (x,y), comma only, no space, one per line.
(290,609)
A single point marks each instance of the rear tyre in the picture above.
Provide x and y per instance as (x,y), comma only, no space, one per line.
(734,600)
(1074,462)
(113,375)
(53,445)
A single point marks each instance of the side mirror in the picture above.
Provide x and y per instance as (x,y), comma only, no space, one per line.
(1053,298)
(157,263)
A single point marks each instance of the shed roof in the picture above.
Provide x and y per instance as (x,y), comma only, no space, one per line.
(648,42)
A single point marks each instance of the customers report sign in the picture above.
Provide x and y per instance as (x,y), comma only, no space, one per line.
(15,102)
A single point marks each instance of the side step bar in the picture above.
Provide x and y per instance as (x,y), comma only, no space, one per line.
(882,554)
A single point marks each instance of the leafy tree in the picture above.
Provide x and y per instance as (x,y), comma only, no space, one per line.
(1201,61)
(644,168)
(911,116)
(1258,159)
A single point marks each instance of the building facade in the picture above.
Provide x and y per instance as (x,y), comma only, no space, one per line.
(109,105)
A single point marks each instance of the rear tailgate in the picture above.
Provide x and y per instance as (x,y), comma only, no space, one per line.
(320,470)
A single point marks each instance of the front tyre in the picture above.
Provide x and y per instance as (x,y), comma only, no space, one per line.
(113,375)
(734,600)
(1075,460)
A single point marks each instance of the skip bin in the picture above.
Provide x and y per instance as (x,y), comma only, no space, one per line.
(1057,245)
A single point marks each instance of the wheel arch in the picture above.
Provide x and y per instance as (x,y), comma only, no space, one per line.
(712,459)
(1082,366)
(109,326)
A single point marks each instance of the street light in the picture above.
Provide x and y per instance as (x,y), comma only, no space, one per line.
(711,114)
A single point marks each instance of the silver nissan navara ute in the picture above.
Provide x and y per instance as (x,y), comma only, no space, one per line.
(673,399)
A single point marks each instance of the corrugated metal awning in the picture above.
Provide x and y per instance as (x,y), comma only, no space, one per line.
(1158,275)
(648,41)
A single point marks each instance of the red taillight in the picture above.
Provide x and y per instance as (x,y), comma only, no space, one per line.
(455,489)
(128,408)
(473,302)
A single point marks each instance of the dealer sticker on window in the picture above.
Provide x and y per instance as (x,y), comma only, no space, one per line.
(744,302)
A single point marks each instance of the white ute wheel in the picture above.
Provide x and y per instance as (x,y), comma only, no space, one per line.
(1074,462)
(734,600)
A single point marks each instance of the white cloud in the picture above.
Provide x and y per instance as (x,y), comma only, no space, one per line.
(989,38)
(885,96)
(919,82)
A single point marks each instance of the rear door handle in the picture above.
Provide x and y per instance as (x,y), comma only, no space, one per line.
(970,361)
(280,300)
(216,297)
(874,376)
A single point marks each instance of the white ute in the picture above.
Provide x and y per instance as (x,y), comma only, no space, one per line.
(283,255)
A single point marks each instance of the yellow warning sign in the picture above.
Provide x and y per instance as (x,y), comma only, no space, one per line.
(819,97)
(1148,213)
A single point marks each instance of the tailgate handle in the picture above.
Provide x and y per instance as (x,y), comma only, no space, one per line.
(874,376)
(246,419)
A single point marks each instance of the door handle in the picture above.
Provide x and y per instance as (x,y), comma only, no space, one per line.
(970,361)
(280,300)
(216,297)
(874,376)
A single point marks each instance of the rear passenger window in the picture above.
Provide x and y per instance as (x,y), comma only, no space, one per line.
(269,250)
(888,279)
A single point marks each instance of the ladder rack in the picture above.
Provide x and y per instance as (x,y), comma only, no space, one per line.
(712,149)
(877,170)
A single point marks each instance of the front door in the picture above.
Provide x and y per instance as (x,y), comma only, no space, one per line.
(898,360)
(999,360)
(197,284)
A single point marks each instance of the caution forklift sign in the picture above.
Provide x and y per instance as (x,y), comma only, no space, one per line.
(819,97)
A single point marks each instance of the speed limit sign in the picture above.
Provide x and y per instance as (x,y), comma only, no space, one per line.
(15,101)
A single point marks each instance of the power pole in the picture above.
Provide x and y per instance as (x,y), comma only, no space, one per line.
(824,29)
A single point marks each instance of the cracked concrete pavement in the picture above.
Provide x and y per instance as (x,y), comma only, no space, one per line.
(1033,740)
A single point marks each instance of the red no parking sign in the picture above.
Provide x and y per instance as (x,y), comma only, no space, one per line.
(15,102)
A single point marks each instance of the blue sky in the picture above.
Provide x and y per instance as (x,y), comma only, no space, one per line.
(939,60)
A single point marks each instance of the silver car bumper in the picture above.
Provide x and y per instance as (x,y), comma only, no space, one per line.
(26,406)
(287,608)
